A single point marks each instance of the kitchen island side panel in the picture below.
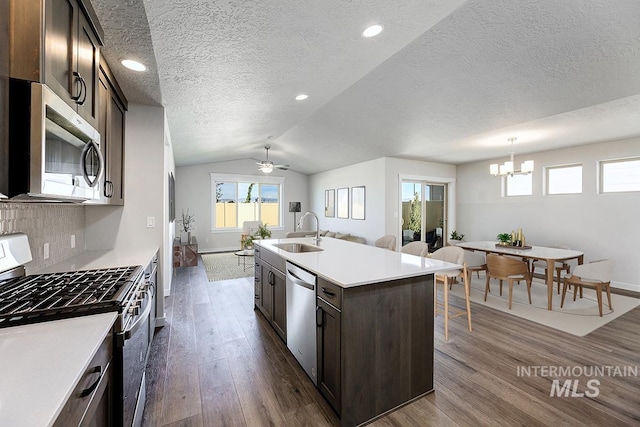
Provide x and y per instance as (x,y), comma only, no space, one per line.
(387,357)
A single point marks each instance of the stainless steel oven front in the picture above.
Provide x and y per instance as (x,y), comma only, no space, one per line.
(132,350)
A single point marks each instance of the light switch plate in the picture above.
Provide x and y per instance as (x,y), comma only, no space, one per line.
(46,251)
(151,221)
(73,241)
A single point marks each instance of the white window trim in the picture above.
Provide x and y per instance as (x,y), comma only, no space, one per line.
(546,179)
(261,179)
(600,174)
(505,186)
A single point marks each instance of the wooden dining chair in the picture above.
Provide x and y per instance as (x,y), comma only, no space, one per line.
(559,266)
(509,269)
(596,275)
(455,255)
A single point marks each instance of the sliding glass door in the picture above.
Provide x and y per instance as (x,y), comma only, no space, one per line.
(424,213)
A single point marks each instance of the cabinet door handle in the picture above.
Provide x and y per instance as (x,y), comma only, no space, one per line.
(270,278)
(319,316)
(87,391)
(84,83)
(328,292)
(108,189)
(82,87)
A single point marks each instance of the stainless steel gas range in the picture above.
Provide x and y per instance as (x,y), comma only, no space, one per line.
(44,297)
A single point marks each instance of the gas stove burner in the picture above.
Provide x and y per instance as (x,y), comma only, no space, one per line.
(53,296)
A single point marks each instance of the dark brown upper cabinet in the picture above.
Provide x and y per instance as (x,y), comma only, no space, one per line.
(57,42)
(111,125)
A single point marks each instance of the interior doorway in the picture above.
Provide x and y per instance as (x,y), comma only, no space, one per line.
(424,216)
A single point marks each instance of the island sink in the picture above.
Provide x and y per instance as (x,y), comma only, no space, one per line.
(297,247)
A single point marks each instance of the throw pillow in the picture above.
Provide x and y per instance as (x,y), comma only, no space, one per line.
(330,234)
(341,236)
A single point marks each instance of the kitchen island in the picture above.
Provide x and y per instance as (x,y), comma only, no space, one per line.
(373,319)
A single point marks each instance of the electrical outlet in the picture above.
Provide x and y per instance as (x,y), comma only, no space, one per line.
(73,241)
(151,221)
(46,251)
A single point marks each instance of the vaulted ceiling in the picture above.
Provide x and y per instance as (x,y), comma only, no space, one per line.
(446,81)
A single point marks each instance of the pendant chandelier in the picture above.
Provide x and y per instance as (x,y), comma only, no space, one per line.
(507,168)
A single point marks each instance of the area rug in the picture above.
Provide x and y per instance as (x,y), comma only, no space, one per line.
(578,317)
(226,266)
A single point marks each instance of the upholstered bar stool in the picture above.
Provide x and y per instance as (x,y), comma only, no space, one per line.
(454,255)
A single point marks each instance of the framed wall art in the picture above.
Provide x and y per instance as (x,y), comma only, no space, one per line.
(330,203)
(357,202)
(343,203)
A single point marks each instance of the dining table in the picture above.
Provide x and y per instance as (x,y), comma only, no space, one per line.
(550,255)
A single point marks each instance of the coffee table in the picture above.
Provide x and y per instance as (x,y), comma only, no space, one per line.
(244,254)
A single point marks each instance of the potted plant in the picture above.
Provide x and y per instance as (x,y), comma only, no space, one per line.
(188,224)
(455,238)
(263,232)
(504,239)
(246,242)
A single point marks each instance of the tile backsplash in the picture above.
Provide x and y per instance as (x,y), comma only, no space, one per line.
(45,223)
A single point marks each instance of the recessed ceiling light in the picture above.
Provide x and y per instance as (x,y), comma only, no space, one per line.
(372,31)
(133,65)
(302,97)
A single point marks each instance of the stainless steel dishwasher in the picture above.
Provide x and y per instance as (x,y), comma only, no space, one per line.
(301,318)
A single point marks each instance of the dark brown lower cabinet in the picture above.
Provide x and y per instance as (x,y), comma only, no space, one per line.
(91,404)
(270,286)
(279,317)
(375,353)
(328,338)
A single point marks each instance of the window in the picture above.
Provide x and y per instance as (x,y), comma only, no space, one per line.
(237,199)
(519,185)
(565,179)
(620,175)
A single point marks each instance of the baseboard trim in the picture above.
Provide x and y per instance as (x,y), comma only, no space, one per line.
(217,250)
(626,286)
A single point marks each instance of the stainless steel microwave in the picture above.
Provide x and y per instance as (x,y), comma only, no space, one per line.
(53,153)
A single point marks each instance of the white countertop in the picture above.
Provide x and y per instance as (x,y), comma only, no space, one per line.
(41,363)
(89,260)
(350,264)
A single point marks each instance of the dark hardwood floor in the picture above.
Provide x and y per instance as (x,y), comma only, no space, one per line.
(218,363)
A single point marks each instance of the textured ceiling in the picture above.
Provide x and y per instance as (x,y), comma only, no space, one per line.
(446,81)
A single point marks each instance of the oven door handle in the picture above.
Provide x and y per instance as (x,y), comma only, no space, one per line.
(131,331)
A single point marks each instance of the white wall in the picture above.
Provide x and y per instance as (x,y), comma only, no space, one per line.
(600,225)
(193,192)
(381,179)
(120,227)
(168,227)
(370,174)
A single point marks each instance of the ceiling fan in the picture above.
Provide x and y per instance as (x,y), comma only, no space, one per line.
(267,166)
